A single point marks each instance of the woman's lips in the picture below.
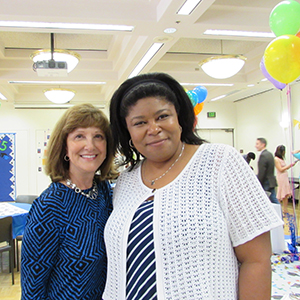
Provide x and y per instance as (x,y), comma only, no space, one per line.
(156,143)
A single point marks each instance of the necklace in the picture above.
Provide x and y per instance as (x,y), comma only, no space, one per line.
(92,194)
(154,180)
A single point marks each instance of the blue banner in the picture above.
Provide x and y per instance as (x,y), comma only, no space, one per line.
(7,167)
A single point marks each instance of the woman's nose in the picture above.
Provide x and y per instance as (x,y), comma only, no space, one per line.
(153,128)
(89,143)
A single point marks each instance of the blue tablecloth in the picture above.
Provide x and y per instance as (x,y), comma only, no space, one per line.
(19,212)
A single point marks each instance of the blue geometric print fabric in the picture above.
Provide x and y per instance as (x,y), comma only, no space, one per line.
(7,167)
(63,252)
(141,274)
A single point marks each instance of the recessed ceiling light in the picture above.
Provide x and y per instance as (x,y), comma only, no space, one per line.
(218,98)
(146,58)
(264,79)
(46,25)
(170,30)
(59,82)
(239,33)
(2,97)
(206,84)
(250,85)
(188,7)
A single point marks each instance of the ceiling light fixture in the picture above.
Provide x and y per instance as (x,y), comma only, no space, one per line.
(2,97)
(239,33)
(72,58)
(206,84)
(188,7)
(46,25)
(146,58)
(170,30)
(218,98)
(222,66)
(59,95)
(57,82)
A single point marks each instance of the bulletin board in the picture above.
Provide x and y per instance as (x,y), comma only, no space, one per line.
(7,167)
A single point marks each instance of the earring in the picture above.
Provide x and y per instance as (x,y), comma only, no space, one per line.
(66,158)
(98,172)
(130,144)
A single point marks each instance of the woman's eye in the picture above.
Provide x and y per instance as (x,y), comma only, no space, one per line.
(99,136)
(163,116)
(78,136)
(139,123)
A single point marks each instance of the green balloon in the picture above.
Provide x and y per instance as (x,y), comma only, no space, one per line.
(285,18)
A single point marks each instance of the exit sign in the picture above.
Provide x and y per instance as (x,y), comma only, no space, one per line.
(211,114)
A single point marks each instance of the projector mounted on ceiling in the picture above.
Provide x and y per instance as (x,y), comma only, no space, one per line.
(51,68)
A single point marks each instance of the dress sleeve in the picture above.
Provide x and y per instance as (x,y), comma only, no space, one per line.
(40,246)
(246,207)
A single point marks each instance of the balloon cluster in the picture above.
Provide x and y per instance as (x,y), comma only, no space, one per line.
(281,61)
(197,97)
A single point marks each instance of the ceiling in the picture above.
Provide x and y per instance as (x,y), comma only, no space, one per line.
(110,56)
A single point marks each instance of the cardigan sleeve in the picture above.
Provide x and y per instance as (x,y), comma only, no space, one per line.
(246,207)
(40,246)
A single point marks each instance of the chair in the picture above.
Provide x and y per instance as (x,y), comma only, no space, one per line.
(22,199)
(6,236)
(26,198)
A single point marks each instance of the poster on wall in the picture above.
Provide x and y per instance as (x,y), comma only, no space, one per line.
(7,167)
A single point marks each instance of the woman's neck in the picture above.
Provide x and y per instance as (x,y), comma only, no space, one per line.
(83,181)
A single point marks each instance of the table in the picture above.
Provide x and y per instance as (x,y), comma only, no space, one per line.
(19,212)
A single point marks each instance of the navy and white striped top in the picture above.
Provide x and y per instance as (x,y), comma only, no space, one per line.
(141,274)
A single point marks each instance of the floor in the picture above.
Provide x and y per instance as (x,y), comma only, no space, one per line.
(285,275)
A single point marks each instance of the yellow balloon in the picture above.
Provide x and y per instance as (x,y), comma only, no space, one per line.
(282,58)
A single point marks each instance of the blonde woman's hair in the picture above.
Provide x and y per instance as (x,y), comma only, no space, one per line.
(78,116)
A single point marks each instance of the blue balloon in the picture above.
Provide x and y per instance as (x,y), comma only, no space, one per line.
(201,92)
(297,155)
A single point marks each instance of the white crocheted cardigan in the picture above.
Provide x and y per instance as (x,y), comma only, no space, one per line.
(215,204)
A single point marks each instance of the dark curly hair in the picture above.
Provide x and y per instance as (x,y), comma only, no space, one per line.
(158,85)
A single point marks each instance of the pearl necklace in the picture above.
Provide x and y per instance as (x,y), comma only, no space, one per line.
(154,180)
(91,194)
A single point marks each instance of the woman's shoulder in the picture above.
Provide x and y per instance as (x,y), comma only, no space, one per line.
(54,192)
(217,148)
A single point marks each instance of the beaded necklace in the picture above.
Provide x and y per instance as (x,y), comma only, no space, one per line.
(92,194)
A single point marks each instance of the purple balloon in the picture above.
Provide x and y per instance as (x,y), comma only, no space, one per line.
(277,84)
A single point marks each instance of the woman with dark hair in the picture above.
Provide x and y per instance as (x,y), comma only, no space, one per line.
(190,220)
(284,190)
(63,252)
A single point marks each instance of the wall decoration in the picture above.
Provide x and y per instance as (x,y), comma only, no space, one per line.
(7,167)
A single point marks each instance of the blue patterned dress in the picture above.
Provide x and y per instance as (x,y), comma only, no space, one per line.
(63,253)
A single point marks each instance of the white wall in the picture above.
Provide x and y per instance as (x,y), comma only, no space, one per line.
(254,117)
(26,123)
(225,115)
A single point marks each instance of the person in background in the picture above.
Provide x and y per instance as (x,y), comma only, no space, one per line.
(248,157)
(266,167)
(190,221)
(63,252)
(284,190)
